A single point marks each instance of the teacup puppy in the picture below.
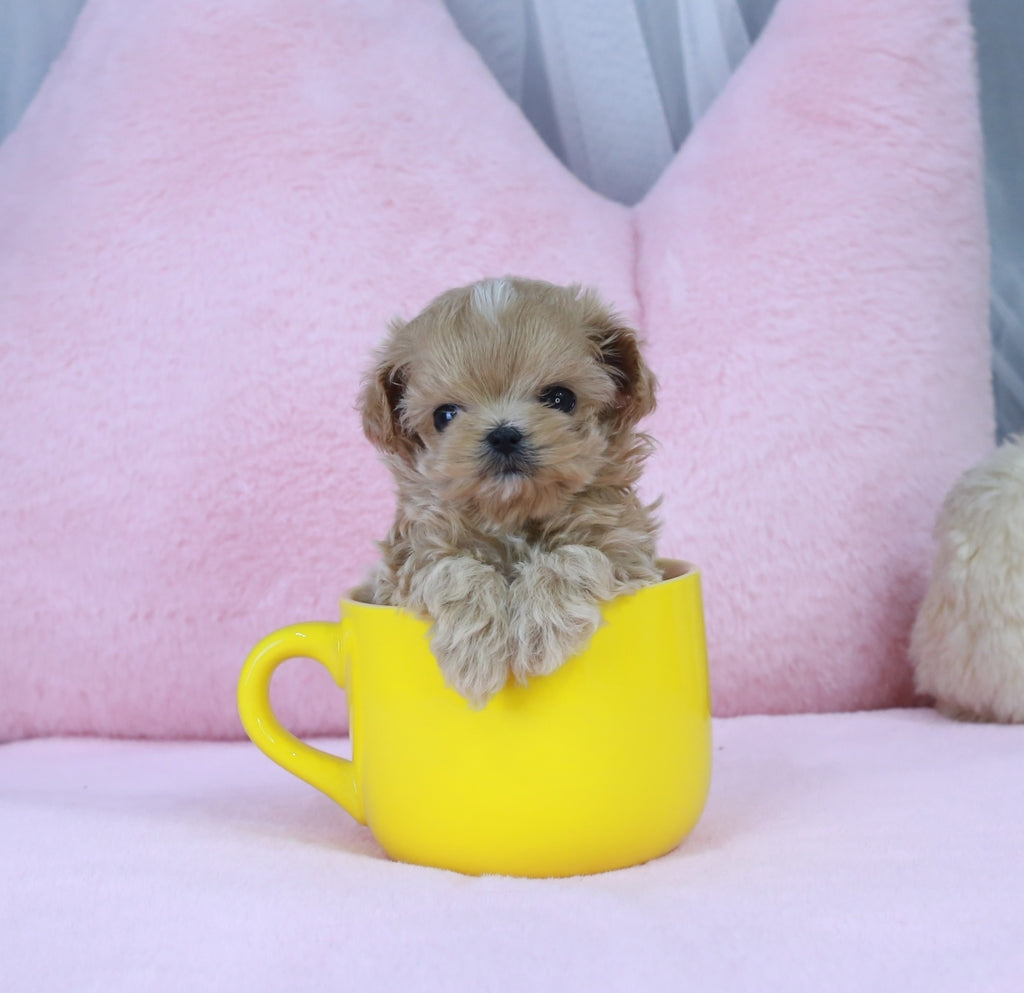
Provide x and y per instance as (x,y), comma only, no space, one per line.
(506,412)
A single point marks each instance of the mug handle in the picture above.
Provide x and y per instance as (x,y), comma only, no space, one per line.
(322,642)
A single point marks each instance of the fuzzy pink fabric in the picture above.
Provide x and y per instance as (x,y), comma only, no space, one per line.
(839,853)
(211,210)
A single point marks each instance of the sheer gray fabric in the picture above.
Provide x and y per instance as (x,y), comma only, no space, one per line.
(1000,28)
(32,34)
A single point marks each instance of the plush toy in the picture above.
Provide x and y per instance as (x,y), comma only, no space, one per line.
(968,642)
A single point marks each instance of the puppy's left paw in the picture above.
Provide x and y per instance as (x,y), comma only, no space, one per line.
(556,601)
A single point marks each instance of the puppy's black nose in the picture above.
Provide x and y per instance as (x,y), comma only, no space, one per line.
(505,439)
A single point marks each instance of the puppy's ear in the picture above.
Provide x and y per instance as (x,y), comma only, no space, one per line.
(381,406)
(619,350)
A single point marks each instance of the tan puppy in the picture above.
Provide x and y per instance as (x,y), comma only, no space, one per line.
(506,412)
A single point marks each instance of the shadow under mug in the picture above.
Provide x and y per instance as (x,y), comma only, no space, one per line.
(603,764)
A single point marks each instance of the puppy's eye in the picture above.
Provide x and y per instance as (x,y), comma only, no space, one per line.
(559,398)
(444,415)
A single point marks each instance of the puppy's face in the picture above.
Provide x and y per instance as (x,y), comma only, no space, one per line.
(505,397)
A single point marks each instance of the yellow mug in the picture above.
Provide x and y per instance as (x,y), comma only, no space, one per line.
(603,764)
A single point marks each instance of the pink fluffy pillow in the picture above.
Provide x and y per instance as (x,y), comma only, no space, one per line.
(210,211)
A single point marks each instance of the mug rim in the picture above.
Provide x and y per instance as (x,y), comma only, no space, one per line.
(672,571)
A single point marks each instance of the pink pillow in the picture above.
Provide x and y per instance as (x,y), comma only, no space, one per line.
(210,212)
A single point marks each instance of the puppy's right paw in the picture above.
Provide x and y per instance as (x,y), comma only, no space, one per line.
(468,602)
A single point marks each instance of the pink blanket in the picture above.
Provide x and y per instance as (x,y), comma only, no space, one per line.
(837,853)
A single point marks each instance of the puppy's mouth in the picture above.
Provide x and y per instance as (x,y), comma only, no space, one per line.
(510,466)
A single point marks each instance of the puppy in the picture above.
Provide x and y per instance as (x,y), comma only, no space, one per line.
(506,413)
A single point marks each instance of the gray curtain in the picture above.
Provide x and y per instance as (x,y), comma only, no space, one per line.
(1000,28)
(32,34)
(614,88)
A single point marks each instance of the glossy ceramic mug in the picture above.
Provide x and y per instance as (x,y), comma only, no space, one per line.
(603,764)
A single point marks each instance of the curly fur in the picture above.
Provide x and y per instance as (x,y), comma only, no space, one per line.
(968,641)
(511,556)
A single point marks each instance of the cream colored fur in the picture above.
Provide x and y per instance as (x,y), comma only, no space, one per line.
(968,641)
(511,555)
